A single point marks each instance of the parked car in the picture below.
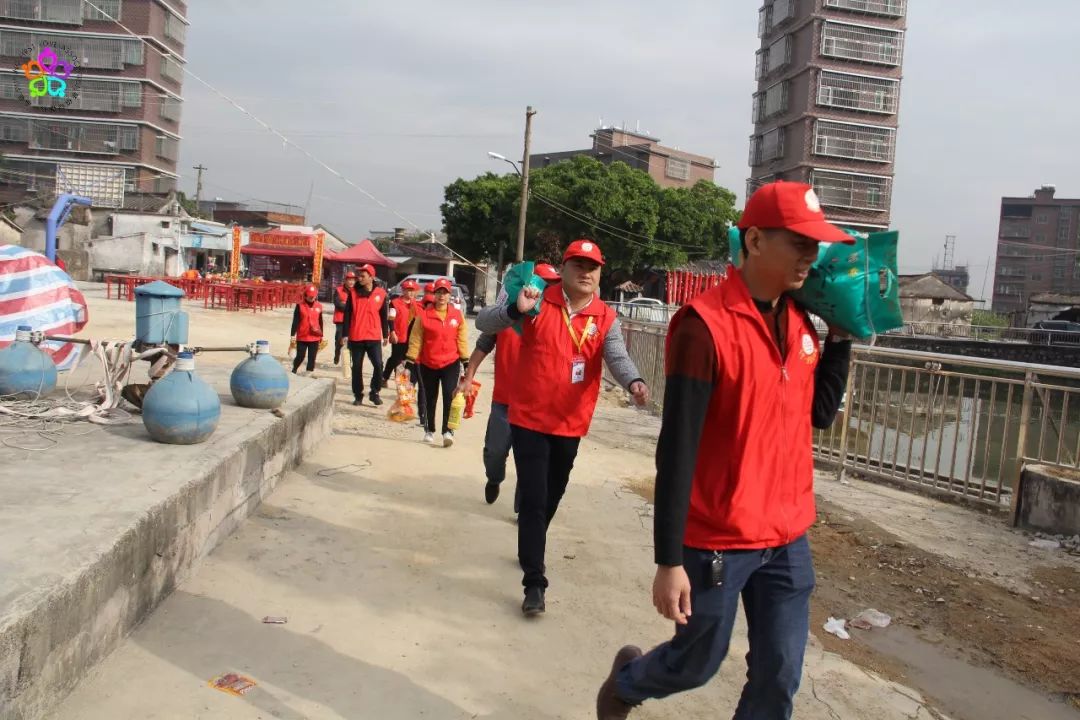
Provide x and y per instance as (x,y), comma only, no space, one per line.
(1056,332)
(457,292)
(643,309)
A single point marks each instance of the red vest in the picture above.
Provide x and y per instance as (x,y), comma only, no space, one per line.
(366,323)
(403,314)
(440,346)
(543,398)
(310,328)
(507,350)
(343,296)
(754,478)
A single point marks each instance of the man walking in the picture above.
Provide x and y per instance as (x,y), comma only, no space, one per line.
(558,372)
(366,323)
(507,347)
(734,483)
(341,298)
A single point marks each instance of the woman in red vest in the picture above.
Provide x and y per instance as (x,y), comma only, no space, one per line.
(563,349)
(402,311)
(307,329)
(341,298)
(439,345)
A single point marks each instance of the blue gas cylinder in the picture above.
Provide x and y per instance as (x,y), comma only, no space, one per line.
(181,408)
(26,370)
(260,381)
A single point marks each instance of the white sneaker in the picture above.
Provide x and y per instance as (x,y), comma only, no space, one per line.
(429,438)
(447,439)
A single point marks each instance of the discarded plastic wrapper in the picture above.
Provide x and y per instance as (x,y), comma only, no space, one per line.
(470,400)
(275,620)
(870,618)
(404,408)
(1045,544)
(851,287)
(232,683)
(836,627)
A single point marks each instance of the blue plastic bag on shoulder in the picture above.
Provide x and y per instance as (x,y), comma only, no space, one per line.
(853,288)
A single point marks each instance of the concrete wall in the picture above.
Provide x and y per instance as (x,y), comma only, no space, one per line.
(133,254)
(1050,500)
(925,310)
(1067,355)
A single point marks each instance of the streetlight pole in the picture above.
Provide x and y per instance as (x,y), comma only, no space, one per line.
(529,112)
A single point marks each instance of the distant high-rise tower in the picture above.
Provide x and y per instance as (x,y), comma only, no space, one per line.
(825,112)
(110,119)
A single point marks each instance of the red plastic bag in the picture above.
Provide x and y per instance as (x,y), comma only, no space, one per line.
(470,399)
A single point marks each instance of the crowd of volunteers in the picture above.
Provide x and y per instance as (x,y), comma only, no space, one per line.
(747,381)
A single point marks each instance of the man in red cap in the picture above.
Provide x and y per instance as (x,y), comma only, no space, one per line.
(366,324)
(563,349)
(307,329)
(341,297)
(746,384)
(507,347)
(402,311)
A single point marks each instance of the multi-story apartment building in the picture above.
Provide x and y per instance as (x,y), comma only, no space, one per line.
(825,112)
(1038,250)
(668,166)
(116,127)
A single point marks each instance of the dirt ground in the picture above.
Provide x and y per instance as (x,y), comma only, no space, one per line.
(401,590)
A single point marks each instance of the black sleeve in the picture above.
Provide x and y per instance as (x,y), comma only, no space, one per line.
(384,321)
(691,380)
(346,318)
(322,329)
(295,321)
(830,379)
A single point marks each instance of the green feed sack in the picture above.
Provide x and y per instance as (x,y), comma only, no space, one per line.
(851,287)
(518,277)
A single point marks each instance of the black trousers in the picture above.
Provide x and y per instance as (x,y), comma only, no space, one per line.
(432,379)
(373,349)
(302,349)
(339,341)
(397,355)
(543,465)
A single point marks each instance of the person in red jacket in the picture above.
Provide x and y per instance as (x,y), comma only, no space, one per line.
(402,311)
(746,383)
(365,320)
(307,329)
(507,347)
(439,345)
(557,384)
(429,295)
(341,298)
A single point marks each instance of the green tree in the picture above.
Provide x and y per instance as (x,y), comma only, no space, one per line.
(479,214)
(696,219)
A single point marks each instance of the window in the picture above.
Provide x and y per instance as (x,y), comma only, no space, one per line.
(13,129)
(129,137)
(169,108)
(891,8)
(767,147)
(864,43)
(68,12)
(92,52)
(1059,272)
(851,190)
(677,169)
(1036,276)
(1042,218)
(857,142)
(8,83)
(171,69)
(131,95)
(857,92)
(109,8)
(175,29)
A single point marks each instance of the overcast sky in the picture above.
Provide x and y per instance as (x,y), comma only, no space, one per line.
(404,97)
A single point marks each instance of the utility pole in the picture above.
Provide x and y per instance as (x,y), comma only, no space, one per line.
(198,185)
(529,112)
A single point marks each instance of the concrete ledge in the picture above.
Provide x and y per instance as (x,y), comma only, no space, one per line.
(95,533)
(1050,500)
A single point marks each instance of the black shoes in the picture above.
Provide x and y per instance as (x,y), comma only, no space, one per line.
(358,402)
(376,400)
(534,602)
(608,704)
(491,492)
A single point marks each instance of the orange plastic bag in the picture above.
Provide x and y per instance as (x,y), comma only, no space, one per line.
(470,399)
(404,408)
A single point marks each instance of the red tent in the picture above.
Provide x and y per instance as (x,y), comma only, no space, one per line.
(361,253)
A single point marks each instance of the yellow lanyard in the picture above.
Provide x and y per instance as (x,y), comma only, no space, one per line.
(578,343)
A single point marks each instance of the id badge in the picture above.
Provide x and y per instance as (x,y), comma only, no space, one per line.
(577,369)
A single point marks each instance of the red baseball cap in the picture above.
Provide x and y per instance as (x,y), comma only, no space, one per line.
(441,284)
(350,275)
(366,268)
(792,206)
(311,291)
(584,249)
(547,272)
(410,285)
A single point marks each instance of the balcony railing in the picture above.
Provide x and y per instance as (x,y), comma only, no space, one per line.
(774,57)
(856,142)
(96,138)
(856,92)
(767,147)
(863,43)
(852,190)
(69,12)
(90,52)
(887,8)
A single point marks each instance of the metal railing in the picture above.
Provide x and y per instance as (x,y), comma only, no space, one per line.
(955,331)
(961,426)
(892,8)
(651,313)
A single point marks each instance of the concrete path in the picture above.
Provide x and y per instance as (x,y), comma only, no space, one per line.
(401,589)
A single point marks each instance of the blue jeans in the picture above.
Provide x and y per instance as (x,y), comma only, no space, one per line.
(497,443)
(775,585)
